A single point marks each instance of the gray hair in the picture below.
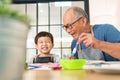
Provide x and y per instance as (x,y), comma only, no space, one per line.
(79,12)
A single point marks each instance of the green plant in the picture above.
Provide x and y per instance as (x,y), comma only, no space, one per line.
(6,11)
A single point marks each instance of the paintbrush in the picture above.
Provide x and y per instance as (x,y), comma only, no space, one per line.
(74,50)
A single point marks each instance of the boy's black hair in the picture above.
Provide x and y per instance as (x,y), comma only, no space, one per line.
(43,34)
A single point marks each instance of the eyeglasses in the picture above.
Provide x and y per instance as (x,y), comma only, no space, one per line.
(69,26)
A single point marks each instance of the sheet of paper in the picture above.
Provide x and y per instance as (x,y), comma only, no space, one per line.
(104,67)
(43,66)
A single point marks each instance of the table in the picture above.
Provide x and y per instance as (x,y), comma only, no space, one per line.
(67,75)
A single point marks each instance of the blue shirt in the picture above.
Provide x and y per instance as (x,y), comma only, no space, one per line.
(103,32)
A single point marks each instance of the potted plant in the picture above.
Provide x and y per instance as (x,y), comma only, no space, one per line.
(14,28)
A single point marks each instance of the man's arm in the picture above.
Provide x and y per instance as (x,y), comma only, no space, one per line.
(112,49)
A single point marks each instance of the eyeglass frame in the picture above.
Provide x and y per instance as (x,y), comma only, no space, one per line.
(69,26)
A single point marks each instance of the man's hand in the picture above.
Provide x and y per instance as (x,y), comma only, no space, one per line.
(88,40)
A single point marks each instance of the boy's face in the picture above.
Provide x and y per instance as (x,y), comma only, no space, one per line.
(44,45)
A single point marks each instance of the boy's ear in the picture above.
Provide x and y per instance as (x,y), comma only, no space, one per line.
(53,45)
(36,46)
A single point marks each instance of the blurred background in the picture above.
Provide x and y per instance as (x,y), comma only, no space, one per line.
(47,16)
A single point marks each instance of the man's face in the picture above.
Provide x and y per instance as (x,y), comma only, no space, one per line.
(72,24)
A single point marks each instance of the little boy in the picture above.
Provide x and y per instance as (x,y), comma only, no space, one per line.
(44,42)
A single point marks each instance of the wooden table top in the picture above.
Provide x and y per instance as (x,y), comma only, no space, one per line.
(67,75)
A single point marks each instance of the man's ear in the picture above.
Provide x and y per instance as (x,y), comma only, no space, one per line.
(84,21)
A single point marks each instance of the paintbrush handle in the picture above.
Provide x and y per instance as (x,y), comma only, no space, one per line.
(74,50)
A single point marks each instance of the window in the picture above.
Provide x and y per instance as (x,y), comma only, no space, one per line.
(47,17)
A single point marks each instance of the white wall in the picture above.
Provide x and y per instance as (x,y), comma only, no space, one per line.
(105,11)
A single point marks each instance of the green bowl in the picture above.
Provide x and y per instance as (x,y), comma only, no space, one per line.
(72,63)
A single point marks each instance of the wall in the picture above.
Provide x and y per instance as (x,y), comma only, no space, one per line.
(105,11)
